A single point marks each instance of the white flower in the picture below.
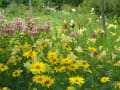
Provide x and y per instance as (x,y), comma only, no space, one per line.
(79,49)
(72,21)
(72,56)
(92,9)
(118,39)
(65,21)
(112,26)
(74,10)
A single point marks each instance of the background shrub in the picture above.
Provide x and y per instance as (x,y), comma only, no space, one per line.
(112,7)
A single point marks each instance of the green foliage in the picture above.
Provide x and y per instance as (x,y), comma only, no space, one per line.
(85,2)
(59,3)
(83,9)
(112,7)
(20,10)
(67,7)
(38,4)
(1,2)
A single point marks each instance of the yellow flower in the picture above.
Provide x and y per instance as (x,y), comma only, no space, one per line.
(118,39)
(48,82)
(14,59)
(113,34)
(84,64)
(3,67)
(30,54)
(73,67)
(67,47)
(43,80)
(113,56)
(38,67)
(17,73)
(117,63)
(112,26)
(77,80)
(4,88)
(117,48)
(39,79)
(26,47)
(118,84)
(35,89)
(105,79)
(43,45)
(108,61)
(70,88)
(60,69)
(92,49)
(66,61)
(53,61)
(51,55)
(1,50)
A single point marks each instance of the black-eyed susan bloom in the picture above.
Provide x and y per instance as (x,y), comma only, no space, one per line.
(39,79)
(43,44)
(17,73)
(49,82)
(45,81)
(30,54)
(118,84)
(3,67)
(60,69)
(73,67)
(54,60)
(4,88)
(117,63)
(51,55)
(67,47)
(70,88)
(35,89)
(105,79)
(77,80)
(92,49)
(1,50)
(66,61)
(38,67)
(84,64)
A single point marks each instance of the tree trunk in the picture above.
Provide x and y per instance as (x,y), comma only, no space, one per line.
(17,3)
(30,5)
(102,14)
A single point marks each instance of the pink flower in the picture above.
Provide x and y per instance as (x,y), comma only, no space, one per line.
(1,16)
(95,53)
(102,34)
(73,34)
(36,19)
(1,21)
(94,35)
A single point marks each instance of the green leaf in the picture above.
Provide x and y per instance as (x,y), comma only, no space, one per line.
(35,73)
